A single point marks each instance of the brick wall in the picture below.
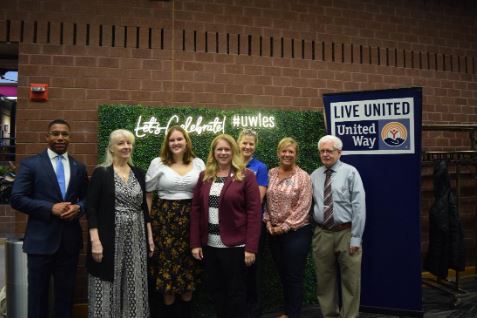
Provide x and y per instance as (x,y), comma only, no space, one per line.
(248,53)
(7,221)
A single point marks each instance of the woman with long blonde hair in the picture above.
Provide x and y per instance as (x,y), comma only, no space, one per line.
(118,222)
(225,225)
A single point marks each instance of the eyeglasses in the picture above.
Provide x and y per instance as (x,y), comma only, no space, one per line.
(327,151)
(58,133)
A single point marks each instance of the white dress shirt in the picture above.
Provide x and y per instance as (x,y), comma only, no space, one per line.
(66,165)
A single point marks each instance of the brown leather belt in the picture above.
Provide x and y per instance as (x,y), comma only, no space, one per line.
(337,227)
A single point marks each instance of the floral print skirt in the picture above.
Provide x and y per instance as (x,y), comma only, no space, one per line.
(172,267)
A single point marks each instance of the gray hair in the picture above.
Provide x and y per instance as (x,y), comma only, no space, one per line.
(335,141)
(115,136)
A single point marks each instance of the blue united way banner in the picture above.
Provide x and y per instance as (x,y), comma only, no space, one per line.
(381,132)
(374,126)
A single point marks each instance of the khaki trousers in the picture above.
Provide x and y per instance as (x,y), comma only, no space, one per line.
(331,253)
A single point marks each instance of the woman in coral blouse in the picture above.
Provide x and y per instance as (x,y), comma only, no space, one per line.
(289,197)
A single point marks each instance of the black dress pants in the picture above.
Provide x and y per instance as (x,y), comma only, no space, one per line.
(254,280)
(226,272)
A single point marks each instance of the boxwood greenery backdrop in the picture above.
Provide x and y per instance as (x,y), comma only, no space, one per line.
(271,126)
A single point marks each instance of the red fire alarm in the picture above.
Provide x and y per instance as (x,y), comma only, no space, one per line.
(38,92)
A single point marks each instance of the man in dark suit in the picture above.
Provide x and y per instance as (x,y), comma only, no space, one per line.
(51,187)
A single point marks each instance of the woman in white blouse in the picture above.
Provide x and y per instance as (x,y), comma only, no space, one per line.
(173,176)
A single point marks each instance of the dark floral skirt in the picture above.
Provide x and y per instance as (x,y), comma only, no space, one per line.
(172,266)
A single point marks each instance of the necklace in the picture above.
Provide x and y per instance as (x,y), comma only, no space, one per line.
(122,171)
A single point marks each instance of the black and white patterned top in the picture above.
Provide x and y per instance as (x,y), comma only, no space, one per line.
(214,237)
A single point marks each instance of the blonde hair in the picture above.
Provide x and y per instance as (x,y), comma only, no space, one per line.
(167,156)
(247,133)
(237,165)
(286,142)
(114,137)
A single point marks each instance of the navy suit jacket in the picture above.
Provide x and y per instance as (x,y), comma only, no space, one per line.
(35,191)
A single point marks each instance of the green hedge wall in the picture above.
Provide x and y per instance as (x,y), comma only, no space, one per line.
(305,126)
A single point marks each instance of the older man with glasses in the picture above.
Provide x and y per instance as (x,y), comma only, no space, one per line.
(339,211)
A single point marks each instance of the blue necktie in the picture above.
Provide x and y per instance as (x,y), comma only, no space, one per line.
(60,175)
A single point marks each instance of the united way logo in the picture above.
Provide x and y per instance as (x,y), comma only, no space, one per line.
(394,134)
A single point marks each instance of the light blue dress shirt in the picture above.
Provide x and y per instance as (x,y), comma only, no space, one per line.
(66,165)
(348,195)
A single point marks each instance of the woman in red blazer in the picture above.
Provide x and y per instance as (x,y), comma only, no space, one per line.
(225,225)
